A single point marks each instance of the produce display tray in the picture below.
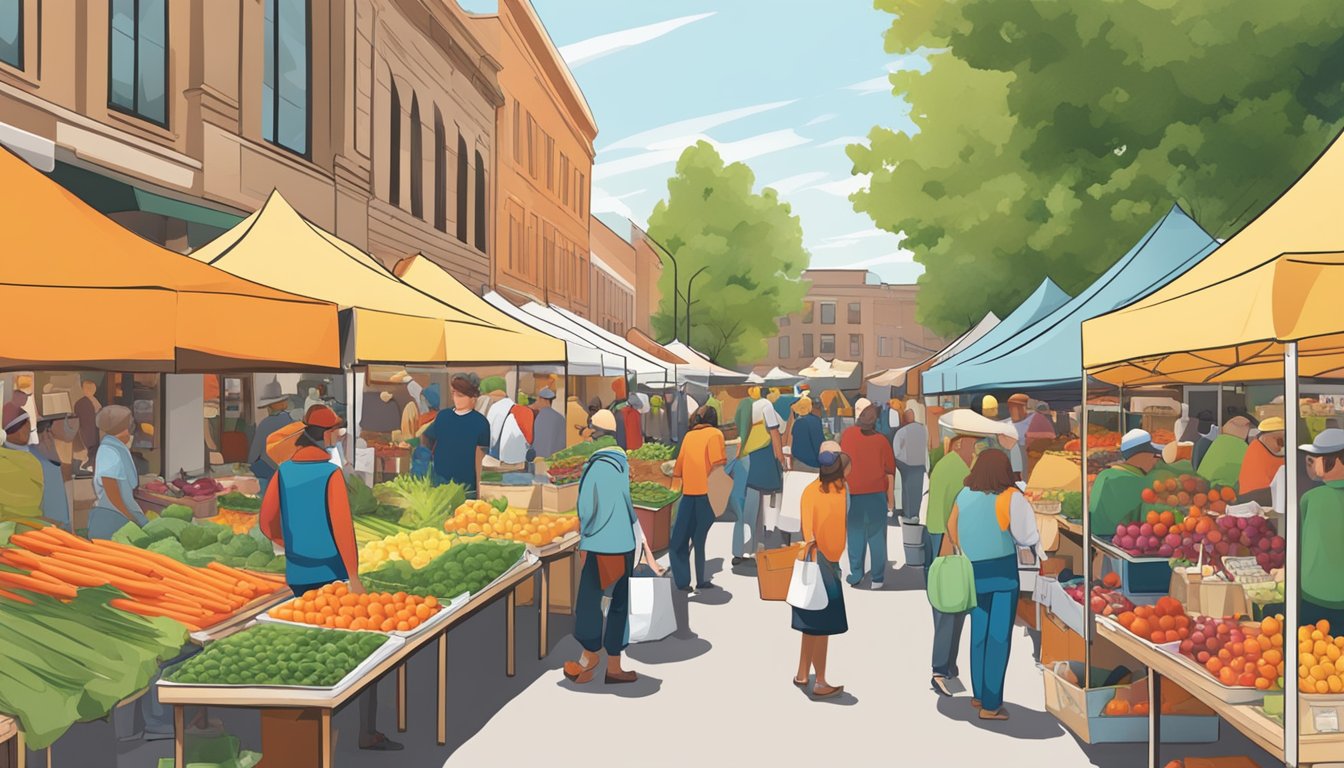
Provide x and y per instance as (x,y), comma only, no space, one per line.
(555,547)
(248,612)
(445,613)
(527,559)
(664,505)
(1233,694)
(389,647)
(1104,543)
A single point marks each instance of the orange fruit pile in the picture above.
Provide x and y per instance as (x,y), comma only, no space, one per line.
(334,606)
(1165,622)
(1320,668)
(515,524)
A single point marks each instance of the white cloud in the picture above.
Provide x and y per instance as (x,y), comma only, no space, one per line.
(819,119)
(605,202)
(844,141)
(655,137)
(666,151)
(796,182)
(915,61)
(852,239)
(584,51)
(846,186)
(900,256)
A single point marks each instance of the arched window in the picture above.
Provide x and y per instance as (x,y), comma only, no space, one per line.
(461,188)
(480,203)
(417,162)
(394,149)
(440,174)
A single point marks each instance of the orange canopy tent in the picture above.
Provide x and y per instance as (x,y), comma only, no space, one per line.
(78,291)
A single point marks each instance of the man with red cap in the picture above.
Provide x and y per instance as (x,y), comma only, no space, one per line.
(307,510)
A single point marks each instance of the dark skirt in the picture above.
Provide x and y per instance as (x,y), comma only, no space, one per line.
(830,620)
(764,474)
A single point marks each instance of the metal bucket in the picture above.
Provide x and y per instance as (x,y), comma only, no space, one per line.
(913,538)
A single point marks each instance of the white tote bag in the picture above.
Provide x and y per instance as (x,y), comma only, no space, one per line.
(806,592)
(651,614)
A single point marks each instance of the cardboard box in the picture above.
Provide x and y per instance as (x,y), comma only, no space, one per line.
(1081,711)
(1059,642)
(1223,598)
(526,497)
(559,498)
(1185,588)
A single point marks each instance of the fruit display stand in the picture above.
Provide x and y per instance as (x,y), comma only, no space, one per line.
(297,723)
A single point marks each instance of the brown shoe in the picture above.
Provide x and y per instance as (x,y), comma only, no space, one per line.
(826,693)
(976,703)
(993,714)
(577,673)
(617,678)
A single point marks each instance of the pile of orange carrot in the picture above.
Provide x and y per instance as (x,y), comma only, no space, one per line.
(57,562)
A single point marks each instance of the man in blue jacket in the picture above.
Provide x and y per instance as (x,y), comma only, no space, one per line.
(609,534)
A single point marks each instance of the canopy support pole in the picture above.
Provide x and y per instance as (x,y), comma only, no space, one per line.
(1087,547)
(1291,408)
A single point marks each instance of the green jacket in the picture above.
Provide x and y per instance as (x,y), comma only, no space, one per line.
(1322,511)
(1116,498)
(1221,464)
(945,482)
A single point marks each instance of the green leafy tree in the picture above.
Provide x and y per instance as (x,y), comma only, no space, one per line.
(1052,134)
(740,254)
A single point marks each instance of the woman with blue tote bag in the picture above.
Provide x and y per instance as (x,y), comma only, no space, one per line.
(990,520)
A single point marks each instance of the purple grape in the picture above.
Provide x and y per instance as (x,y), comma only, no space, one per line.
(1121,530)
(1145,530)
(1165,550)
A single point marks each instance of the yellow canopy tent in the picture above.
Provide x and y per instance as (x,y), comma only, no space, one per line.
(79,291)
(528,345)
(393,322)
(1224,318)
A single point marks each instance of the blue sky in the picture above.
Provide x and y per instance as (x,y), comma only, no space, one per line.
(781,85)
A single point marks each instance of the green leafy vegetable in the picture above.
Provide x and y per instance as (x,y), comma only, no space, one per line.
(178,512)
(239,501)
(653,452)
(464,568)
(283,655)
(425,504)
(584,449)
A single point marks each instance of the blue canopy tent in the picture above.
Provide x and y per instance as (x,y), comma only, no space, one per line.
(1047,354)
(1045,299)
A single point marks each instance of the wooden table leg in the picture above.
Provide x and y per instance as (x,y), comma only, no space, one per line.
(510,652)
(179,736)
(21,755)
(544,606)
(324,748)
(442,702)
(1154,719)
(401,699)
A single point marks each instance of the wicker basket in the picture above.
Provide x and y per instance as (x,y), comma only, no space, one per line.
(1047,507)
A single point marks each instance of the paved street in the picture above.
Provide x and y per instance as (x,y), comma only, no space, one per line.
(722,683)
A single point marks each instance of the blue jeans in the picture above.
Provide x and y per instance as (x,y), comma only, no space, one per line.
(947,627)
(866,533)
(991,640)
(912,489)
(694,516)
(744,514)
(588,624)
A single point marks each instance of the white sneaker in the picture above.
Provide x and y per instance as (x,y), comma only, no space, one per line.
(875,585)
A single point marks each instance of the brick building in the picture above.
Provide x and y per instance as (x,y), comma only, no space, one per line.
(375,119)
(544,164)
(851,314)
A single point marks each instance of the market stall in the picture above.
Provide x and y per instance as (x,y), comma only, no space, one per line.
(1261,308)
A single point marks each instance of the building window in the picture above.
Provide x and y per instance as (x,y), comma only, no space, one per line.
(564,180)
(461,188)
(855,346)
(531,146)
(828,313)
(417,162)
(481,199)
(828,343)
(137,79)
(284,91)
(807,346)
(440,173)
(583,196)
(884,346)
(11,32)
(855,313)
(550,163)
(784,322)
(807,312)
(517,133)
(394,148)
(783,347)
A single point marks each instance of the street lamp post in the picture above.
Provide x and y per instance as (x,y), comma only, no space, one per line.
(689,283)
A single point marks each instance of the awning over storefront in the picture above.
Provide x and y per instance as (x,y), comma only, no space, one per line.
(1278,279)
(393,322)
(78,291)
(1048,353)
(1047,297)
(528,344)
(701,367)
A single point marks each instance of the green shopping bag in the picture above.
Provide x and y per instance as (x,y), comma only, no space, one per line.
(952,584)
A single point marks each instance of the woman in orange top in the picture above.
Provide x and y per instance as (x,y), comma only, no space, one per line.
(823,509)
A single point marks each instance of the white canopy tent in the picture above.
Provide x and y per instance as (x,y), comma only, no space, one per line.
(585,359)
(700,367)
